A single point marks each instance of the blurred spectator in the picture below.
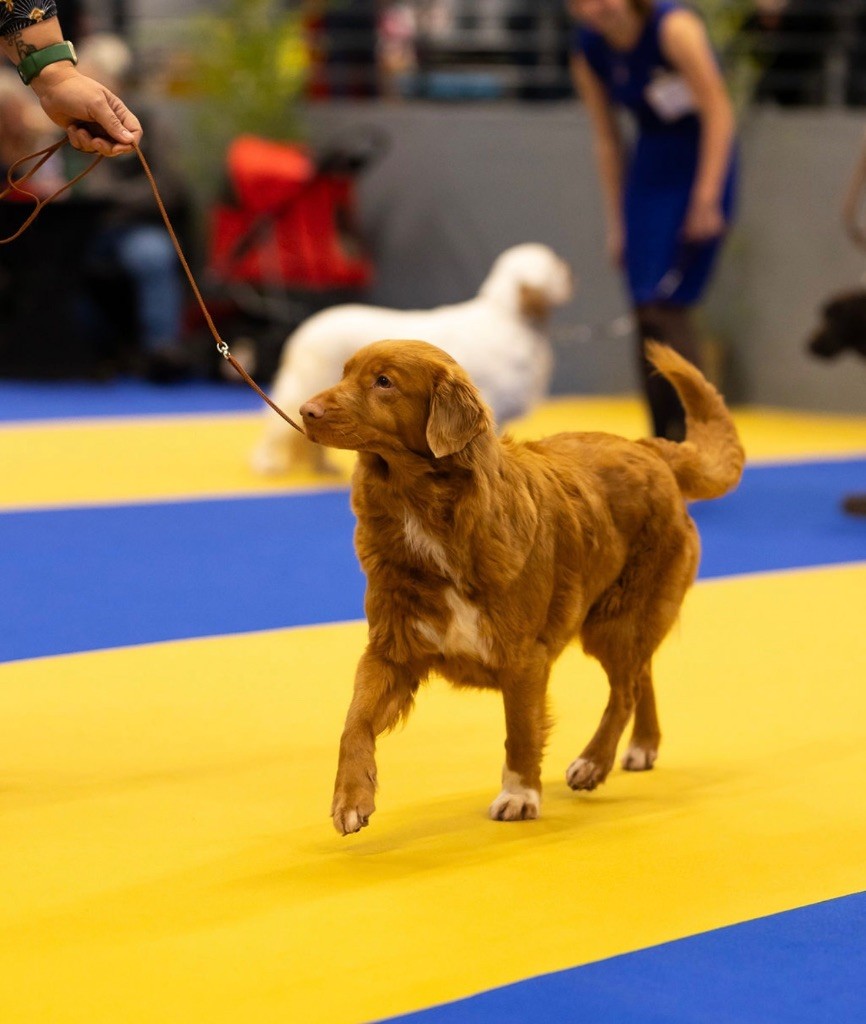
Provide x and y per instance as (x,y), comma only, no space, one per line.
(669,196)
(24,129)
(789,41)
(398,57)
(129,238)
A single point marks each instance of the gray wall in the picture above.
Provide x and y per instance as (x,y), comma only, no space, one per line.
(463,182)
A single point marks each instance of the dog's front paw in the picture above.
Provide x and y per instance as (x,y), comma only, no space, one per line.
(351,810)
(585,774)
(516,806)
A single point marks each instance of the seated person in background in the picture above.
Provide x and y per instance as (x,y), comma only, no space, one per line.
(129,235)
(24,129)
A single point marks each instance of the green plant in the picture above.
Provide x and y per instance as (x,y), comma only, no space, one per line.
(246,71)
(725,21)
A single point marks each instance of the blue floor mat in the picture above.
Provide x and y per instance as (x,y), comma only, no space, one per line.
(784,517)
(22,401)
(805,966)
(82,579)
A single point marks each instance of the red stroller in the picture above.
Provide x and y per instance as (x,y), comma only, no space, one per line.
(284,242)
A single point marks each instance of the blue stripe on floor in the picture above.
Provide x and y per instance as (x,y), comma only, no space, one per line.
(784,517)
(806,966)
(82,579)
(22,401)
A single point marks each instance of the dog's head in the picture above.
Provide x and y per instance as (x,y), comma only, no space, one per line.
(843,326)
(399,398)
(529,279)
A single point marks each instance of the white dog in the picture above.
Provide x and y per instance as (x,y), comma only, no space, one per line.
(499,337)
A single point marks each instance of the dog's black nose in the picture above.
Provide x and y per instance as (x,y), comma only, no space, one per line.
(312,411)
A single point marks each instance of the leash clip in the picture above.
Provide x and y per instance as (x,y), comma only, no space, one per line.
(223,349)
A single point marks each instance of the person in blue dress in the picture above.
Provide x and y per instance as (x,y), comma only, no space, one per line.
(669,198)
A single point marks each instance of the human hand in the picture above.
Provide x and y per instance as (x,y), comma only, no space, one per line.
(94,119)
(704,222)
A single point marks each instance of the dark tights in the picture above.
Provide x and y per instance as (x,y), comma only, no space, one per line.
(675,326)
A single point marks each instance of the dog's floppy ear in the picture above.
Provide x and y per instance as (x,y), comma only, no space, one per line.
(456,416)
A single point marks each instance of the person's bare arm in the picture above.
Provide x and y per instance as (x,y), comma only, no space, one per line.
(608,148)
(684,42)
(853,201)
(94,119)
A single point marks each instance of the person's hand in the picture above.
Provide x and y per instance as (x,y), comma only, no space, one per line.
(704,222)
(94,119)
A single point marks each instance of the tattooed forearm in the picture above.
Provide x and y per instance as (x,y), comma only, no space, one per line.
(21,46)
(27,26)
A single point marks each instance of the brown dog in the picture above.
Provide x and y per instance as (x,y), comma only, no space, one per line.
(485,557)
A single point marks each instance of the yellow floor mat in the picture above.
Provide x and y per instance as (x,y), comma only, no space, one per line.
(167,855)
(120,460)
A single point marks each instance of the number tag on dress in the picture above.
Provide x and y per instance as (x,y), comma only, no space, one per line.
(670,96)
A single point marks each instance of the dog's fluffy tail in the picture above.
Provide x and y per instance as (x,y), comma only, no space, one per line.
(709,463)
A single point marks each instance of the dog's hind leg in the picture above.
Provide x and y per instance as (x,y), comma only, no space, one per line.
(595,762)
(643,746)
(384,693)
(623,630)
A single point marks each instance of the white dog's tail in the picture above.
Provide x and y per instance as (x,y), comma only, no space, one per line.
(709,463)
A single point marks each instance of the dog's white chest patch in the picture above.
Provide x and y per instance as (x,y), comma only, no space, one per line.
(465,633)
(423,545)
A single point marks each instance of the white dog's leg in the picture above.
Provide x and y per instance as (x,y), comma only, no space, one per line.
(273,454)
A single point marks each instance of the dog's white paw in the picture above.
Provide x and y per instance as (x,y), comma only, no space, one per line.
(351,815)
(639,759)
(584,774)
(516,802)
(516,806)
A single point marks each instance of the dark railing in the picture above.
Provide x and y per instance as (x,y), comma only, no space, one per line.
(788,52)
(799,52)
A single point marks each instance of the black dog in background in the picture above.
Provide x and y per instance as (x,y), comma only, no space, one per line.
(843,329)
(843,326)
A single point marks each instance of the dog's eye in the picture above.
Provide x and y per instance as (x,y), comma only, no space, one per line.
(383,382)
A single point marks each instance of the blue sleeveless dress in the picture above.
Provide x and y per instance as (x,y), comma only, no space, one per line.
(662,166)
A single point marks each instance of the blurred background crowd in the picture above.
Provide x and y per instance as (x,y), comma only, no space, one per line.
(349,88)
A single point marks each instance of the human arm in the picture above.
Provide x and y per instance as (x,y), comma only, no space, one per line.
(608,150)
(851,205)
(685,44)
(94,119)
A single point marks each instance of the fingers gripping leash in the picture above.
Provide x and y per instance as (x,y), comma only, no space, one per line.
(15,184)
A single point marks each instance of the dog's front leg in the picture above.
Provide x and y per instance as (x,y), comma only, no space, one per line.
(526,725)
(384,693)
